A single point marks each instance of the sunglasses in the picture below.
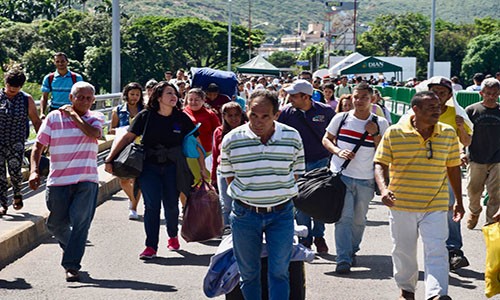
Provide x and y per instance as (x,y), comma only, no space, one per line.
(428,148)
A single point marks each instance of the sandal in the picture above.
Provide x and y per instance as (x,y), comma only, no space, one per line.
(17,204)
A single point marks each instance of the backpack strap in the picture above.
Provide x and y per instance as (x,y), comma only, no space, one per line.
(73,77)
(375,120)
(50,79)
(194,130)
(342,122)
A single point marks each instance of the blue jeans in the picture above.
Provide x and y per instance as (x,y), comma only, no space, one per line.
(224,199)
(454,241)
(158,185)
(72,209)
(247,228)
(318,228)
(349,229)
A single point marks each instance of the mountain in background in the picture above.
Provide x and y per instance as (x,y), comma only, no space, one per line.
(276,17)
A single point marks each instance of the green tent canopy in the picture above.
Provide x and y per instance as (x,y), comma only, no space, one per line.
(370,65)
(258,65)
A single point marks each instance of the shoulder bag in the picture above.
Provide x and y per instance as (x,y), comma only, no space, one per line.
(128,163)
(321,192)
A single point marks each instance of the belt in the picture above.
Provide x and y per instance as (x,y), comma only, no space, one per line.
(263,210)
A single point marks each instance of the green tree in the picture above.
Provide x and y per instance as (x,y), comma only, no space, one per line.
(16,39)
(144,55)
(38,62)
(398,35)
(97,65)
(312,53)
(196,42)
(282,59)
(483,55)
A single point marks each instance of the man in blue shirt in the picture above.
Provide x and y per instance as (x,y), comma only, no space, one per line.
(58,84)
(310,119)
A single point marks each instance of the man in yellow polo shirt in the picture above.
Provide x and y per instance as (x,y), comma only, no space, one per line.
(418,155)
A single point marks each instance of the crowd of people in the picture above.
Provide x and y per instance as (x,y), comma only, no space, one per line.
(261,139)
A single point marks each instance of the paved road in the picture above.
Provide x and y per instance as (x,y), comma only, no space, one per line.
(112,269)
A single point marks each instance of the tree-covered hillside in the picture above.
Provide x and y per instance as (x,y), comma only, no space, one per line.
(282,16)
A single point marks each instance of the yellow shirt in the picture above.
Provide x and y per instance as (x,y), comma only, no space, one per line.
(448,117)
(419,183)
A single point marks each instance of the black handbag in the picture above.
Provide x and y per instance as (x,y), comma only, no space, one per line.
(321,192)
(128,163)
(321,195)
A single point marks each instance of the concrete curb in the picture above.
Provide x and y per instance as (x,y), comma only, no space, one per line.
(21,232)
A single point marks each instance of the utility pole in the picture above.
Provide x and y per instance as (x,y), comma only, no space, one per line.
(431,48)
(354,31)
(115,48)
(249,29)
(229,38)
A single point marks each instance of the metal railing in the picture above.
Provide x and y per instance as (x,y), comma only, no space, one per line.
(103,103)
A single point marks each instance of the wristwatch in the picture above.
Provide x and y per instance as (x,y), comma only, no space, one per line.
(375,134)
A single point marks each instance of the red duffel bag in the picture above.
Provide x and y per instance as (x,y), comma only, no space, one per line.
(202,216)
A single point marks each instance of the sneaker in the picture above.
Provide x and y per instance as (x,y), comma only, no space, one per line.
(72,275)
(457,259)
(354,261)
(148,253)
(440,297)
(472,221)
(306,243)
(132,215)
(320,244)
(405,295)
(343,268)
(173,244)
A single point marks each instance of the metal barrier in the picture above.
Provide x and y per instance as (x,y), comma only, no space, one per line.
(103,103)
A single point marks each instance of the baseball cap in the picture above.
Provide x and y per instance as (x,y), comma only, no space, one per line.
(300,86)
(439,80)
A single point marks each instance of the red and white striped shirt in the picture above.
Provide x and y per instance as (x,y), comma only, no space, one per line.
(73,155)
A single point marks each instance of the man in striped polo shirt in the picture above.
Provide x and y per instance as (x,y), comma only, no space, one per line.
(71,132)
(58,84)
(261,161)
(418,155)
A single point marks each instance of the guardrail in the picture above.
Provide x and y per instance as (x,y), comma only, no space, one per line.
(397,99)
(103,103)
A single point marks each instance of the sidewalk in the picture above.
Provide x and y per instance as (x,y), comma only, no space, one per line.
(23,230)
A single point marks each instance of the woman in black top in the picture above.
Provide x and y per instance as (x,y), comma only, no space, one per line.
(165,172)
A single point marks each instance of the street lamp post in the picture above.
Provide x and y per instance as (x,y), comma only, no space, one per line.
(115,48)
(431,46)
(229,38)
(249,29)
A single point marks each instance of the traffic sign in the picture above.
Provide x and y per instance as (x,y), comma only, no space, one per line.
(340,5)
(303,63)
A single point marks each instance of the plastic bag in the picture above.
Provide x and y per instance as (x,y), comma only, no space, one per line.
(492,273)
(203,216)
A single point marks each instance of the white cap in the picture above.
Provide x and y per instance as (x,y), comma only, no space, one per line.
(300,86)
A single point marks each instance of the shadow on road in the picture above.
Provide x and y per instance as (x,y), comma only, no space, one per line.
(13,216)
(188,259)
(460,278)
(17,284)
(377,223)
(88,281)
(369,267)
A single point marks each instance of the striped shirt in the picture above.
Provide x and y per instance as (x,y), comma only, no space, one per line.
(61,87)
(73,155)
(263,173)
(361,167)
(419,183)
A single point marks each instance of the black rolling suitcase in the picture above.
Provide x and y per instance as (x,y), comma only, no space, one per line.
(297,282)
